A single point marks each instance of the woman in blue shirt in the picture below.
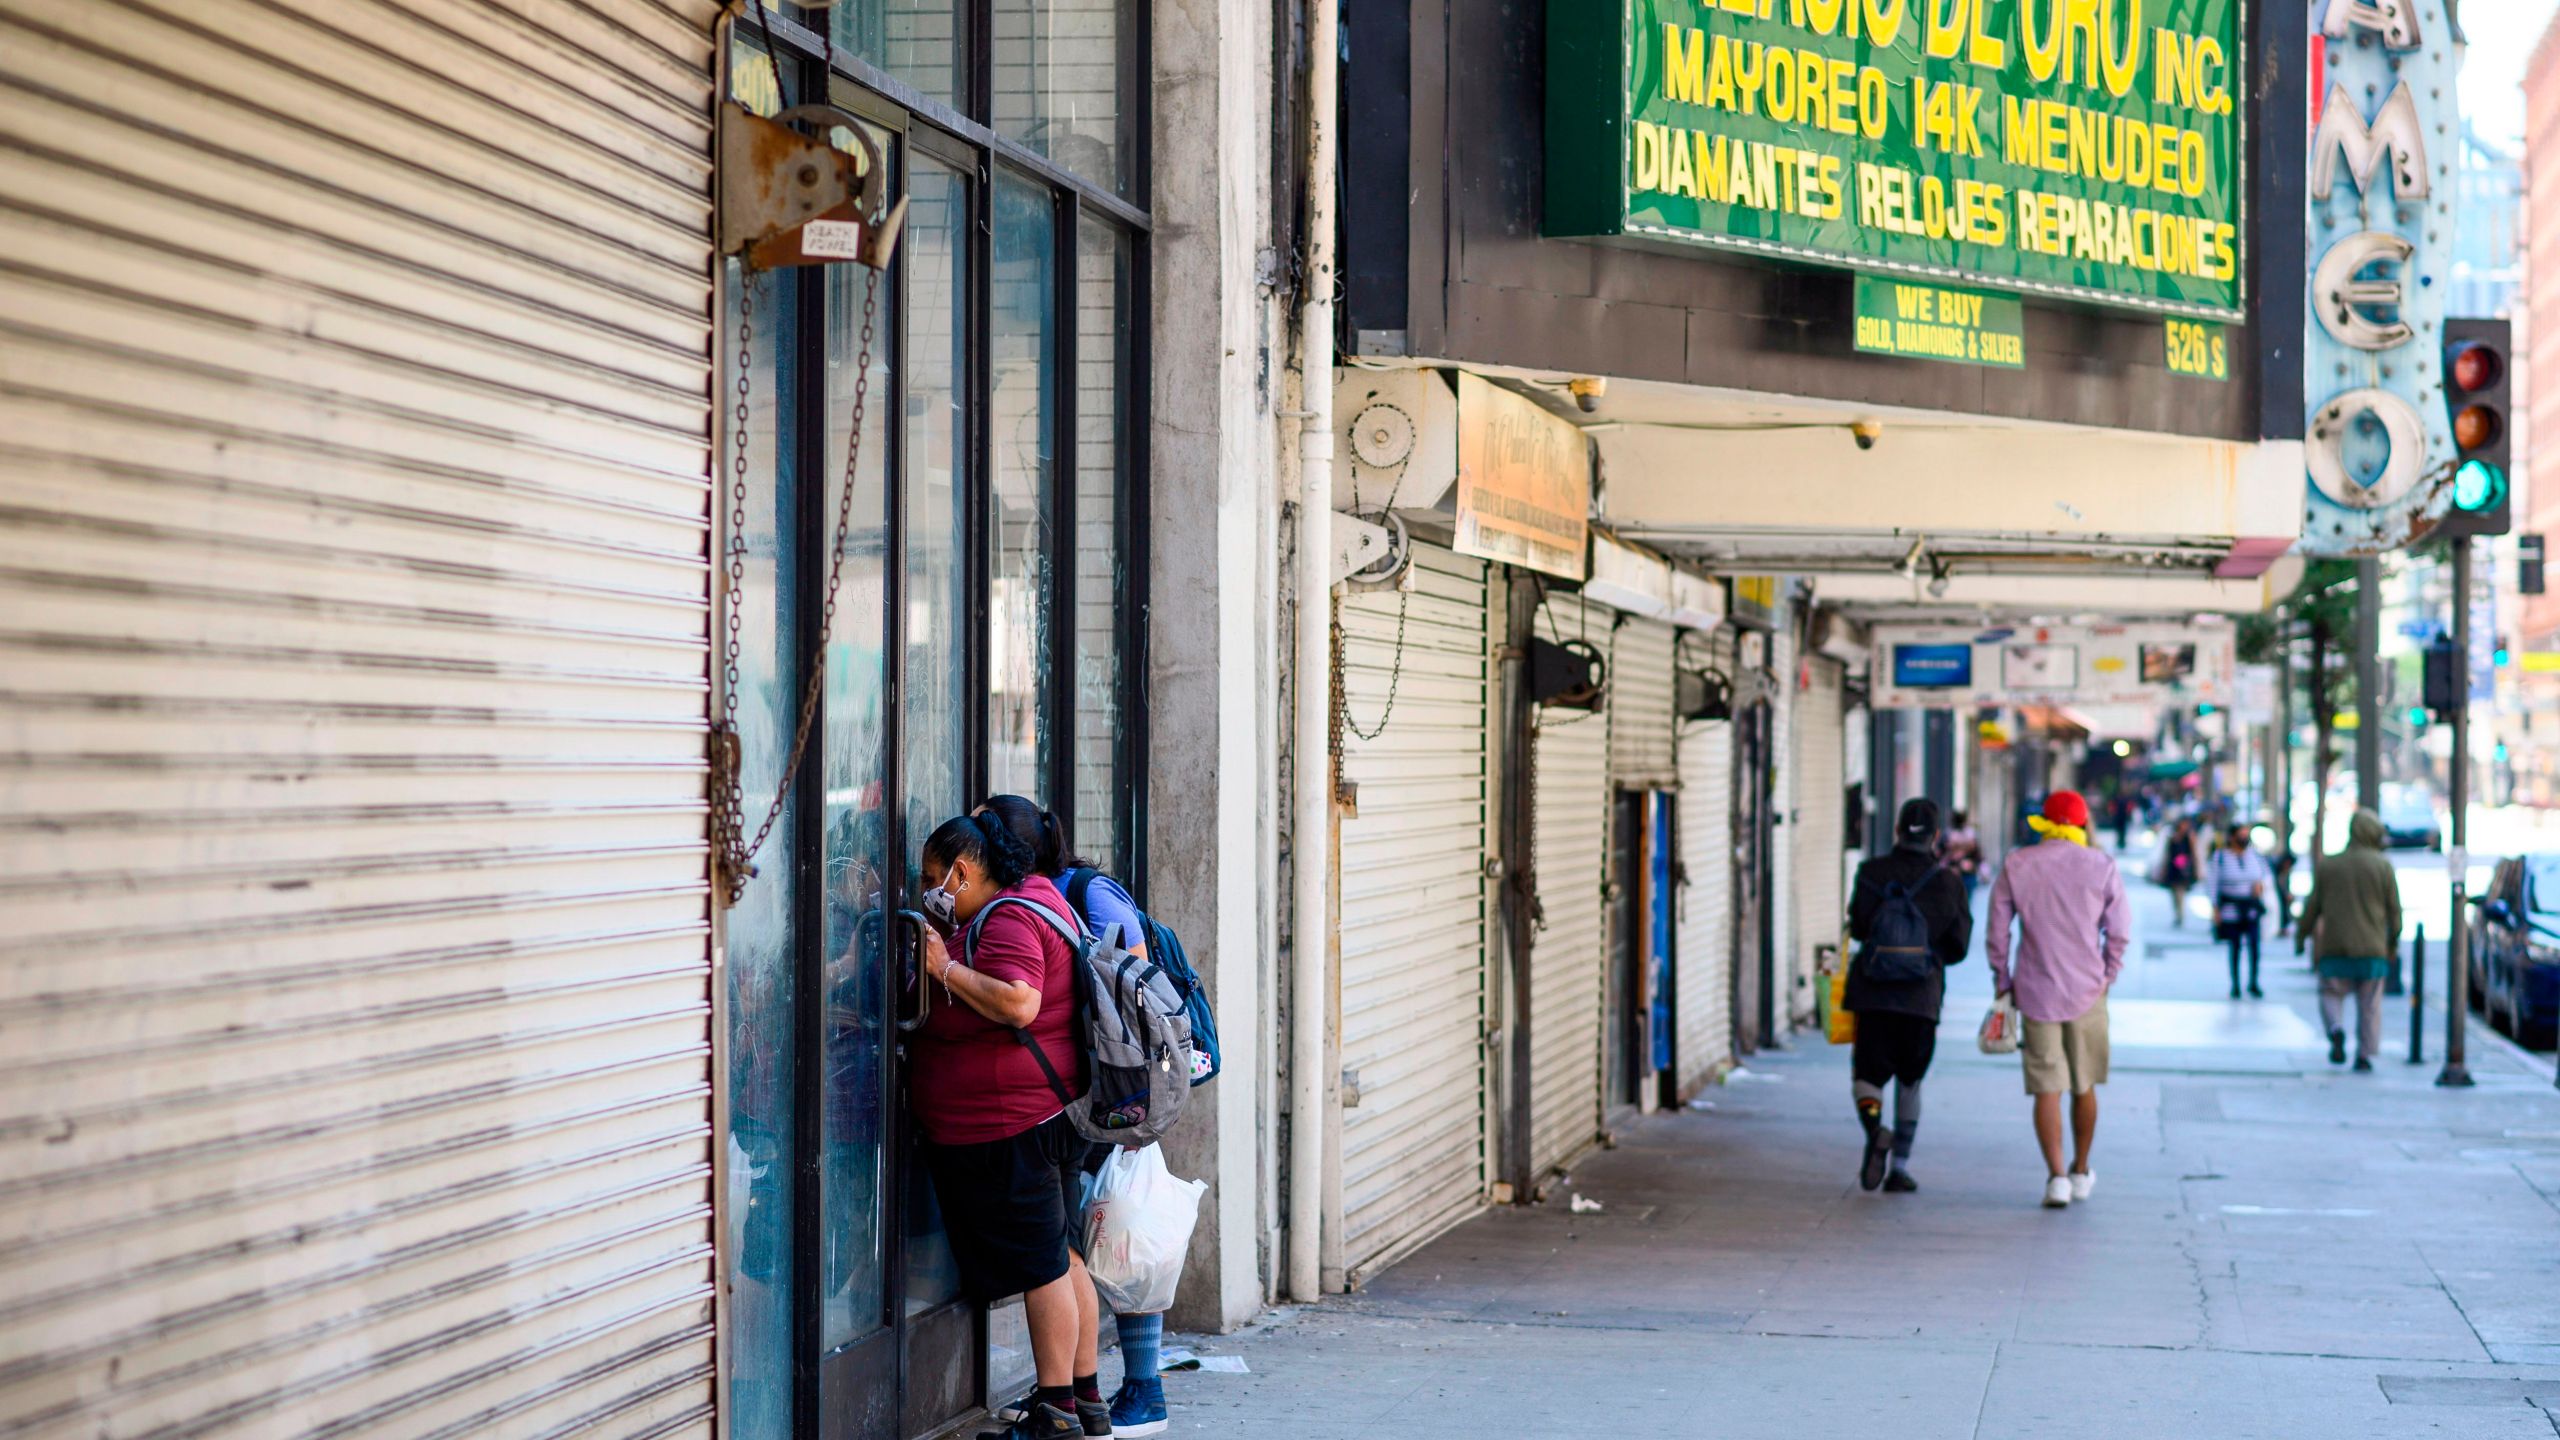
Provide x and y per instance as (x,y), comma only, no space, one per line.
(1138,1408)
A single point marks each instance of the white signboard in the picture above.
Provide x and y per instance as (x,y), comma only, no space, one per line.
(1931,667)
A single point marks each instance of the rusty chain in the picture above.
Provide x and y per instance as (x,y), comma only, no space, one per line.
(735,848)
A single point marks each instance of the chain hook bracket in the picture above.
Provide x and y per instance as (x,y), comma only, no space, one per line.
(787,199)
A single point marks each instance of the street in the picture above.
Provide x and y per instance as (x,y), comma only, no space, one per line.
(2275,1248)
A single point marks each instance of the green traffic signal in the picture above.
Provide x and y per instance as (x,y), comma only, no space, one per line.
(2478,486)
(2418,716)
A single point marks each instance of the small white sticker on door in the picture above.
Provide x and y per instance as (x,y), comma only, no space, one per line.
(831,240)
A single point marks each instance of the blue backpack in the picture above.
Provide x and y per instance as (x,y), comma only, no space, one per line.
(1165,949)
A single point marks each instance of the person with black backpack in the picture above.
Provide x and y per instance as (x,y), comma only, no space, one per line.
(1105,906)
(1909,916)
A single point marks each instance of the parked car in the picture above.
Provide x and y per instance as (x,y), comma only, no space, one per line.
(2516,954)
(2409,819)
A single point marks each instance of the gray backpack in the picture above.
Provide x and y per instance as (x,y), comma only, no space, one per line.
(1135,1029)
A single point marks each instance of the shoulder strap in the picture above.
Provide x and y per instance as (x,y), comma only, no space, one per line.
(1075,938)
(1057,1086)
(1079,881)
(1073,933)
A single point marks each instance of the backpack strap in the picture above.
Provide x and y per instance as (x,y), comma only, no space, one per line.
(1074,935)
(1079,881)
(1057,1086)
(1067,929)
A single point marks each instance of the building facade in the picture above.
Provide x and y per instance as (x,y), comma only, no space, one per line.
(410,486)
(437,549)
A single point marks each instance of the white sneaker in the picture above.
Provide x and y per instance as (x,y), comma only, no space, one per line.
(2057,1194)
(2082,1182)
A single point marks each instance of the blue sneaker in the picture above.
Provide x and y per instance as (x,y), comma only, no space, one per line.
(1137,1408)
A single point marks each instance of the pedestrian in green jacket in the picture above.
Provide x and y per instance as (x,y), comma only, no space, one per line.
(2354,913)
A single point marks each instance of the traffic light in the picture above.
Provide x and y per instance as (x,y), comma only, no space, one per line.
(2441,689)
(2475,394)
(2528,564)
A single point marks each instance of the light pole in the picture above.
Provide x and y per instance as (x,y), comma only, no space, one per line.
(2457,989)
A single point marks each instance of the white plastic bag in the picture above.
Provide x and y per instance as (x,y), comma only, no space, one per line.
(2000,1028)
(1137,1227)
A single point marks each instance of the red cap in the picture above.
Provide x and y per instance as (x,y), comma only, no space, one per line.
(2065,807)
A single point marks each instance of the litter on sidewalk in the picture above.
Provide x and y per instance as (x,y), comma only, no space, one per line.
(1585,1205)
(1179,1359)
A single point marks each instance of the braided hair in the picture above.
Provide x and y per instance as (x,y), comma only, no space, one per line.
(983,841)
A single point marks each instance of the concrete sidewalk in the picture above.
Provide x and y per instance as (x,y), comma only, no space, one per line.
(2275,1249)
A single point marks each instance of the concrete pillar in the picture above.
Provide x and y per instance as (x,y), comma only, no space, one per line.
(1212,556)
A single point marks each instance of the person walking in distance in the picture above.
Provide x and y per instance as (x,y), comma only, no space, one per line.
(1962,849)
(2067,903)
(2238,877)
(2177,872)
(1908,914)
(2353,915)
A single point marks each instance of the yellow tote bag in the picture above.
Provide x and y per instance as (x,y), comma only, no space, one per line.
(1841,1025)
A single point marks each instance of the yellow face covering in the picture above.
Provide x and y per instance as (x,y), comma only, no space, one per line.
(2053,831)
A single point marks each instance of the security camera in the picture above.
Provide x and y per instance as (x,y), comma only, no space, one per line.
(1866,432)
(1587,392)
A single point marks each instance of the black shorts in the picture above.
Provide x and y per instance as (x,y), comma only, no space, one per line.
(1010,1206)
(1893,1047)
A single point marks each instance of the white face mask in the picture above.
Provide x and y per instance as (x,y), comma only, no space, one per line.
(941,904)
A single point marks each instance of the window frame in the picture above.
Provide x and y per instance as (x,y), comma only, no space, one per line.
(971,142)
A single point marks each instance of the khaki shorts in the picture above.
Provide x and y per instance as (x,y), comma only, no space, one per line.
(2066,1054)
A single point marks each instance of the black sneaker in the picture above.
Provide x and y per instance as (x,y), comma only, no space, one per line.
(1043,1422)
(1899,1182)
(2337,1047)
(2255,993)
(1879,1153)
(2363,1066)
(1095,1417)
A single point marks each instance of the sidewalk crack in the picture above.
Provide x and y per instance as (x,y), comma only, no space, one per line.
(1982,1407)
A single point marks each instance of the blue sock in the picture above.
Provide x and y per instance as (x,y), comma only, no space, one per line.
(1141,1346)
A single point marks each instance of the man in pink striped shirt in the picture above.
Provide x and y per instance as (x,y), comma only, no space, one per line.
(2068,903)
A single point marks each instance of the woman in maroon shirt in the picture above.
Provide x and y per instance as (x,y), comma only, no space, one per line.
(1006,1163)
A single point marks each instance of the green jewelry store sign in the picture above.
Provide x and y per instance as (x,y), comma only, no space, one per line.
(2081,149)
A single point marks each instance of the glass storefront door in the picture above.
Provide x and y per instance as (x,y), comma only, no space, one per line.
(980,643)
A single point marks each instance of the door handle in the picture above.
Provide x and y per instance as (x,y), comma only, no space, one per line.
(914,923)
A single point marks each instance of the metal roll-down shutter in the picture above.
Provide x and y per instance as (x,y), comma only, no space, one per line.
(1569,955)
(1794,1001)
(1414,907)
(1702,973)
(1640,704)
(1820,837)
(355,364)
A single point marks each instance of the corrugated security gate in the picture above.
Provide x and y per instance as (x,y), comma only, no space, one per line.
(1702,969)
(1821,805)
(1794,1001)
(354,963)
(1415,906)
(1640,703)
(1569,961)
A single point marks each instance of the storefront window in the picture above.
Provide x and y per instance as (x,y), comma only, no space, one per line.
(1022,419)
(762,952)
(980,643)
(861,954)
(1062,74)
(934,766)
(1103,335)
(919,41)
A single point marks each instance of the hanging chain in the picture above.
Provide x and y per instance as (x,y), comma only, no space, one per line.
(1404,606)
(737,850)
